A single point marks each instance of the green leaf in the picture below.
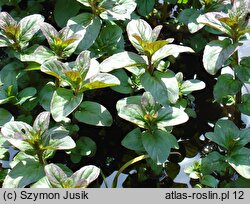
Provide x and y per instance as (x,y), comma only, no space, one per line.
(209,181)
(49,32)
(240,161)
(128,100)
(64,42)
(4,42)
(64,10)
(145,7)
(85,2)
(133,140)
(198,42)
(83,63)
(213,162)
(29,25)
(54,68)
(244,106)
(6,116)
(101,80)
(216,53)
(185,14)
(158,144)
(57,139)
(211,19)
(26,94)
(172,169)
(24,173)
(63,103)
(55,175)
(6,20)
(239,183)
(117,10)
(129,59)
(143,30)
(36,53)
(109,41)
(243,70)
(244,137)
(151,47)
(93,113)
(225,134)
(133,113)
(194,170)
(45,95)
(170,116)
(226,85)
(168,50)
(4,146)
(84,176)
(163,86)
(41,123)
(17,133)
(125,86)
(42,183)
(20,156)
(85,146)
(189,86)
(189,18)
(88,26)
(148,102)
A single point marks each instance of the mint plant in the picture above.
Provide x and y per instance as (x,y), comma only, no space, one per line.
(162,85)
(36,145)
(83,75)
(57,178)
(234,155)
(220,53)
(124,78)
(149,115)
(18,34)
(227,91)
(99,13)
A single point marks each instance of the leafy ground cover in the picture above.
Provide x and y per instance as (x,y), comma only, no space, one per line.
(92,87)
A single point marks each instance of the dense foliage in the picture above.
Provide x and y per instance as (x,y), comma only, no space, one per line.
(88,87)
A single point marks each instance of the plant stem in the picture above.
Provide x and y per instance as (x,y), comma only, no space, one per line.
(104,179)
(237,114)
(234,112)
(39,153)
(150,66)
(137,159)
(40,157)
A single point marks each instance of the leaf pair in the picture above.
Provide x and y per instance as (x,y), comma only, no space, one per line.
(64,42)
(143,38)
(111,10)
(18,34)
(84,75)
(39,137)
(188,86)
(230,24)
(195,171)
(234,25)
(146,113)
(228,136)
(80,179)
(157,143)
(9,92)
